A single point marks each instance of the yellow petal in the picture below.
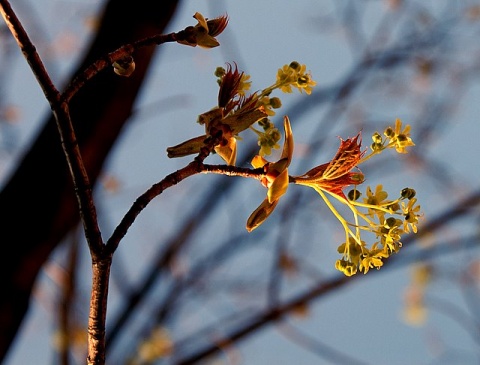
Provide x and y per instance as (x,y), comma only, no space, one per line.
(201,20)
(228,152)
(288,144)
(258,161)
(278,187)
(260,214)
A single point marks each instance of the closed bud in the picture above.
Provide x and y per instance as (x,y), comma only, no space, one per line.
(408,193)
(220,72)
(377,138)
(358,177)
(295,65)
(124,67)
(389,132)
(390,223)
(275,103)
(377,146)
(354,194)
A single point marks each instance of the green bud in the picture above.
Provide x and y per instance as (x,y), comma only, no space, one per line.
(389,132)
(377,146)
(219,72)
(408,193)
(390,223)
(275,103)
(377,138)
(394,207)
(265,124)
(354,194)
(275,135)
(303,80)
(124,67)
(295,65)
(358,177)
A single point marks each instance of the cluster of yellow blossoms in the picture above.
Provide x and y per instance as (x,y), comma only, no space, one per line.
(236,112)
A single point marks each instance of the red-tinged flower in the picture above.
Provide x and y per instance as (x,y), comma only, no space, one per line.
(217,25)
(203,34)
(229,86)
(335,175)
(233,85)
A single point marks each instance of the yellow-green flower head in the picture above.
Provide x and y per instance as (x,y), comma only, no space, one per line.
(276,179)
(411,213)
(268,141)
(398,138)
(378,198)
(352,251)
(348,268)
(373,259)
(294,75)
(269,104)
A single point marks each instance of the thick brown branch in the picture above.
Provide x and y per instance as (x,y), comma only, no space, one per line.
(98,311)
(65,128)
(45,201)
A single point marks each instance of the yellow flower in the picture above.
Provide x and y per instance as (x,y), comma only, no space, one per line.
(228,150)
(294,75)
(398,138)
(377,199)
(348,268)
(373,259)
(352,251)
(412,213)
(276,179)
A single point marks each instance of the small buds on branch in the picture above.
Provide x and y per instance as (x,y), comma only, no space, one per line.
(124,67)
(203,34)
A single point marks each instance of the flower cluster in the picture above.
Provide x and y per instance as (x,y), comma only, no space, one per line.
(236,112)
(387,219)
(395,137)
(294,75)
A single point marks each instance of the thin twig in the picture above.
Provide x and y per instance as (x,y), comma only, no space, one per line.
(170,180)
(110,58)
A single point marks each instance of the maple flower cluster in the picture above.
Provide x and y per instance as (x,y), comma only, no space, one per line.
(237,111)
